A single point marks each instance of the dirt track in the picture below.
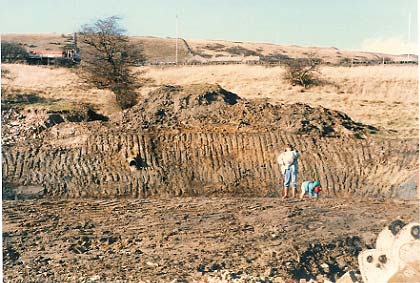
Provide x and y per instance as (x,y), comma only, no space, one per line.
(189,238)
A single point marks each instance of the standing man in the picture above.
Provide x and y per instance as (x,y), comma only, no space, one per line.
(289,167)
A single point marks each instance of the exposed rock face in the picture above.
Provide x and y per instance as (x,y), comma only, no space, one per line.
(203,140)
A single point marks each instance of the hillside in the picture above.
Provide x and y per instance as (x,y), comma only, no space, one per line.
(159,50)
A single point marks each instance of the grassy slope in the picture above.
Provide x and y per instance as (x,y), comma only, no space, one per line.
(163,49)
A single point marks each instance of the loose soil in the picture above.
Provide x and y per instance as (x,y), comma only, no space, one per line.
(207,106)
(186,239)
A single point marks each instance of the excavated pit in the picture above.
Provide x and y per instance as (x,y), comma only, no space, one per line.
(197,140)
(202,140)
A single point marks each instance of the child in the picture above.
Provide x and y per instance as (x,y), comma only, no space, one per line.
(312,188)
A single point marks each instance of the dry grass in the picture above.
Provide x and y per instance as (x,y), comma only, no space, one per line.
(383,96)
(53,41)
(161,49)
(59,84)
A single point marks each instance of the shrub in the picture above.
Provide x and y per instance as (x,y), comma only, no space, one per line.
(303,71)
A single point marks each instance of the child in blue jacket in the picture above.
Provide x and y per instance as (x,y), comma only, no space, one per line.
(313,188)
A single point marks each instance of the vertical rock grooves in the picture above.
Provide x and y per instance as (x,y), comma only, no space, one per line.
(169,163)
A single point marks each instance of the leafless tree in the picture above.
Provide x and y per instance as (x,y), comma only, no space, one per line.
(107,56)
(303,71)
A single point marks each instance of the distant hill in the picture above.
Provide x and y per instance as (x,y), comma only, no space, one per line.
(162,50)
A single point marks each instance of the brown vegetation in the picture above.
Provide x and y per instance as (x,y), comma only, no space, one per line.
(12,52)
(304,71)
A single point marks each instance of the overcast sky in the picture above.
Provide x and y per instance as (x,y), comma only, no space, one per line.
(372,25)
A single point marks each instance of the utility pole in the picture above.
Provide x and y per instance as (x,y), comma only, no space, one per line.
(176,44)
(409,36)
(75,39)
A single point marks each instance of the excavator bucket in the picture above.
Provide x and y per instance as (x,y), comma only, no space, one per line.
(396,257)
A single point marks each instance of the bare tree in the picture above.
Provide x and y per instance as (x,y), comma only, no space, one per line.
(303,71)
(107,56)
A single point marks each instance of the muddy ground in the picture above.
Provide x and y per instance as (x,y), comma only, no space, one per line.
(190,239)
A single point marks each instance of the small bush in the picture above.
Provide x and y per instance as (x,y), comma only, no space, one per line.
(303,71)
(273,58)
(204,55)
(5,74)
(215,46)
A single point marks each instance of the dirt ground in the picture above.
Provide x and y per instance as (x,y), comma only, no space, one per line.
(191,239)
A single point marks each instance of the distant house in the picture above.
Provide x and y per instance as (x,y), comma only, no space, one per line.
(53,57)
(68,55)
(47,53)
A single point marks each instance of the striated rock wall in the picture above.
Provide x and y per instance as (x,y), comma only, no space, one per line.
(174,163)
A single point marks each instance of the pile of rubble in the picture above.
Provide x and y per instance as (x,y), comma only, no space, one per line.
(207,106)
